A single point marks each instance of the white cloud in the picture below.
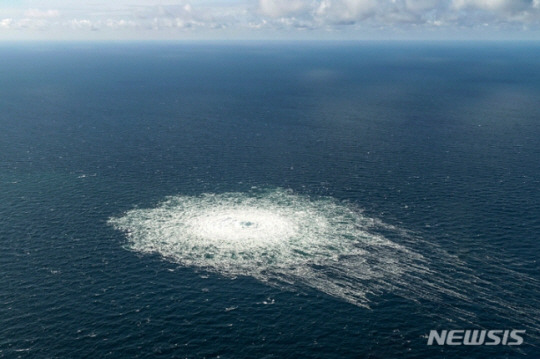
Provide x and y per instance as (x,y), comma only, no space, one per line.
(493,5)
(345,11)
(78,24)
(267,18)
(5,23)
(119,23)
(516,12)
(421,6)
(36,13)
(281,8)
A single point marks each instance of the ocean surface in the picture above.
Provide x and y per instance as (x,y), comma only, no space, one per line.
(268,200)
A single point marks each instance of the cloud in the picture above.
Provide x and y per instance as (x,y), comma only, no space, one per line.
(398,13)
(78,24)
(36,13)
(345,11)
(119,24)
(421,6)
(494,5)
(188,17)
(282,8)
(501,12)
(5,23)
(267,18)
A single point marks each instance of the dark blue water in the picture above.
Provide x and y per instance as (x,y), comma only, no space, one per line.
(439,142)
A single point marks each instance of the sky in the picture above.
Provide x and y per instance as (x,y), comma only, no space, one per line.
(269,20)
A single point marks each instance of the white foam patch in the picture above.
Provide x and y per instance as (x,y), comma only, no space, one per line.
(276,237)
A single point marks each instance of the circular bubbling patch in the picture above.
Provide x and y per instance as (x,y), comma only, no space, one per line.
(255,227)
(275,236)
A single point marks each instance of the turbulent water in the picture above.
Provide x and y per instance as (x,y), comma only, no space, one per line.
(274,236)
(295,241)
(267,200)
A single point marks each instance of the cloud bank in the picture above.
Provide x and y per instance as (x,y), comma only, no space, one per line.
(347,19)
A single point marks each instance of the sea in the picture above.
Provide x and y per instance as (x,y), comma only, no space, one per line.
(268,199)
